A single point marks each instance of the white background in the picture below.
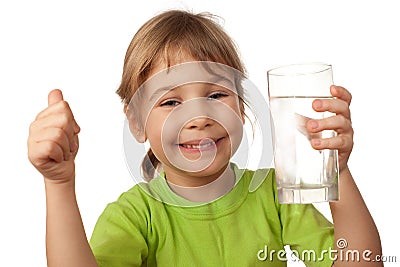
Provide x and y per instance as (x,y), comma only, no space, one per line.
(79,46)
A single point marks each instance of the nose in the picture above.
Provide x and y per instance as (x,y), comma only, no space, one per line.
(199,123)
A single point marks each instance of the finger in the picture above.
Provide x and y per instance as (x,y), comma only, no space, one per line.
(57,136)
(302,126)
(76,142)
(54,96)
(342,143)
(341,93)
(337,106)
(62,121)
(338,123)
(58,107)
(40,153)
(77,129)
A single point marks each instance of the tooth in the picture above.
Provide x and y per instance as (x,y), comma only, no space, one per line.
(199,146)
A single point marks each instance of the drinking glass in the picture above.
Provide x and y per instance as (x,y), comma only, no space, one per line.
(303,174)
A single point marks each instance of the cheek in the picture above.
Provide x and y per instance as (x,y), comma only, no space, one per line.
(157,130)
(154,139)
(237,106)
(238,109)
(233,122)
(151,131)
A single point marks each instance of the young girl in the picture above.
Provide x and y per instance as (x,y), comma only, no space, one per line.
(221,222)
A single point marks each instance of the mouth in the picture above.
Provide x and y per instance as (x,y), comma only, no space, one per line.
(201,145)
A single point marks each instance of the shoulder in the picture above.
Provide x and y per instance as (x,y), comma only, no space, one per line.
(136,199)
(261,181)
(132,205)
(261,185)
(261,201)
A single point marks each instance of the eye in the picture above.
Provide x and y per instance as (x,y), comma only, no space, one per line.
(217,95)
(169,103)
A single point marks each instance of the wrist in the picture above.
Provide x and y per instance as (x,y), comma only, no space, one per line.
(344,172)
(60,185)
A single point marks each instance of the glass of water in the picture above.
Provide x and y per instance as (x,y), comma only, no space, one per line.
(303,174)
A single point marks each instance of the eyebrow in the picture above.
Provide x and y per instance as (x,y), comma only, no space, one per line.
(161,90)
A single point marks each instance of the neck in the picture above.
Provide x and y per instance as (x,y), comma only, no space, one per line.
(208,192)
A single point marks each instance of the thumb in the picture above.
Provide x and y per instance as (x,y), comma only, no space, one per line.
(55,96)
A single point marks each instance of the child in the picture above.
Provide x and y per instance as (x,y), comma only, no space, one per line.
(221,223)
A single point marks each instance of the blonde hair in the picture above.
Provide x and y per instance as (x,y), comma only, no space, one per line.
(198,35)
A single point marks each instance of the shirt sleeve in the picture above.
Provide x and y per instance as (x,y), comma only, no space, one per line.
(117,239)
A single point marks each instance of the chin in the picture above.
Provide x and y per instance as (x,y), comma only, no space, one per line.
(215,168)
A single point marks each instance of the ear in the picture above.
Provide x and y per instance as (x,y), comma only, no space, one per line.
(135,125)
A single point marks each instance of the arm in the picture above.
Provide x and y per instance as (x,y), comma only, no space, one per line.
(52,147)
(352,220)
(66,241)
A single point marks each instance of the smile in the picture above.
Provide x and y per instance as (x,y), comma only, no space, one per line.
(198,146)
(204,144)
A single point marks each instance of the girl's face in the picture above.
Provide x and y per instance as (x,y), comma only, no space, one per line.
(195,127)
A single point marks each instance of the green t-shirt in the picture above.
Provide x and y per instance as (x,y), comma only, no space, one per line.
(245,227)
